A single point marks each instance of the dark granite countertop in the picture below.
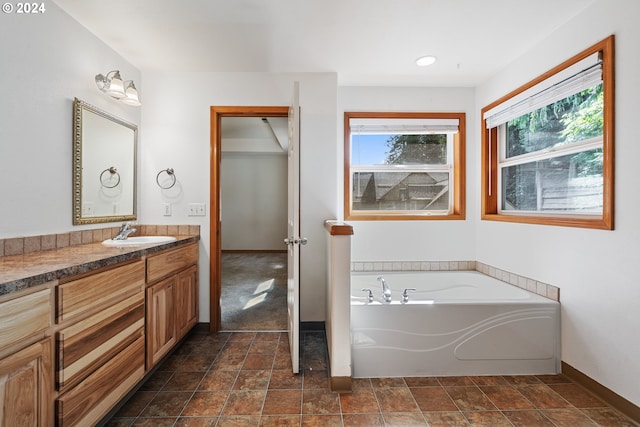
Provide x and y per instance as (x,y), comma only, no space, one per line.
(19,272)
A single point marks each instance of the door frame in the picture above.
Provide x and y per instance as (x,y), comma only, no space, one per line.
(215,231)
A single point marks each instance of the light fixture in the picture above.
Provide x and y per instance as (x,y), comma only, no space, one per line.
(425,61)
(113,85)
(131,94)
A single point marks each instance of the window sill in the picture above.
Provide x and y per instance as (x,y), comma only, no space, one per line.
(595,223)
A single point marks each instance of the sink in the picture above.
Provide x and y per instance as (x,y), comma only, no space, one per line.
(138,241)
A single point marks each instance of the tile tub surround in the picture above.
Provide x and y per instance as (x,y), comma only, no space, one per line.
(26,270)
(531,285)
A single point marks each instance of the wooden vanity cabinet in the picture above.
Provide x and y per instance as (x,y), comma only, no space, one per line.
(26,375)
(172,299)
(71,350)
(99,341)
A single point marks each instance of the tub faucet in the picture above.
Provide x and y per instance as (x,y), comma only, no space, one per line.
(124,231)
(405,294)
(369,294)
(386,292)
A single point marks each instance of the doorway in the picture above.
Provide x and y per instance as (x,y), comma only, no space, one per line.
(237,256)
(253,205)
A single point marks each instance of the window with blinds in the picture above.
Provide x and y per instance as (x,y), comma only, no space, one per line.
(548,147)
(404,165)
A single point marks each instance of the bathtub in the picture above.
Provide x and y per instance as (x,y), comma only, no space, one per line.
(454,323)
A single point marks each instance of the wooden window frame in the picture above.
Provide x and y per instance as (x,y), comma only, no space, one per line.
(459,177)
(490,202)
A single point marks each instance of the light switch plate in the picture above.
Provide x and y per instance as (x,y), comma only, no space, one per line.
(196,209)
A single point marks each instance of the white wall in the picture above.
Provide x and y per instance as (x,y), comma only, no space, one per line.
(597,271)
(176,119)
(47,60)
(414,240)
(253,201)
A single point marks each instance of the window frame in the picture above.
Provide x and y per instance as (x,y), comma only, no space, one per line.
(491,153)
(456,193)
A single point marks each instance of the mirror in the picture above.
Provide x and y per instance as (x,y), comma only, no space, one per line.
(104,166)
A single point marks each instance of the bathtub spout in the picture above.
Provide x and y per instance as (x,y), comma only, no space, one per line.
(386,292)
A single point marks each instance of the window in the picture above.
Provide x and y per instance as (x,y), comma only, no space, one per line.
(548,146)
(404,166)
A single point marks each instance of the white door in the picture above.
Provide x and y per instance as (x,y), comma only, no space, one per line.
(293,239)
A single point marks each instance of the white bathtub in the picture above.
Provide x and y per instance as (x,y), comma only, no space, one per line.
(455,323)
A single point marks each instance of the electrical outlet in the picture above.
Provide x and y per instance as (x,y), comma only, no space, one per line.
(166,209)
(196,209)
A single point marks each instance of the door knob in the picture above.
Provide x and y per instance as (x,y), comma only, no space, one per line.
(292,241)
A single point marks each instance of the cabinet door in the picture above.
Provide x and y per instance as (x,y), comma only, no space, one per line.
(161,325)
(186,300)
(26,387)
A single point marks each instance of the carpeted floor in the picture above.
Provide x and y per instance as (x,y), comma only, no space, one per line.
(254,291)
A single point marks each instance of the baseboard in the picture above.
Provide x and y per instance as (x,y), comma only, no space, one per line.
(201,328)
(340,384)
(312,326)
(615,400)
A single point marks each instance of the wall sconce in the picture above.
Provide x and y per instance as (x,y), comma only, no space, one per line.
(113,85)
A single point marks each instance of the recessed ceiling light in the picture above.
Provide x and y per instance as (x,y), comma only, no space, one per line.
(425,61)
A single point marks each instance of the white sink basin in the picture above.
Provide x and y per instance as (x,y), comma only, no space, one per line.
(138,241)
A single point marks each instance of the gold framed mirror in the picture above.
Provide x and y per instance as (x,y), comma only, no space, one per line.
(104,166)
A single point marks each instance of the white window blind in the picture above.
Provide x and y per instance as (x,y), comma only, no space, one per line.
(582,75)
(403,126)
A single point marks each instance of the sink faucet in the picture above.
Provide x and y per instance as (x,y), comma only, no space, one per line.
(124,231)
(386,292)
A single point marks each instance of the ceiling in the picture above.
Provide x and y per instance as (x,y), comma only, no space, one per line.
(255,135)
(366,42)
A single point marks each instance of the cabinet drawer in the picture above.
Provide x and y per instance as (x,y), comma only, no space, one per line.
(24,317)
(97,291)
(162,265)
(86,345)
(93,398)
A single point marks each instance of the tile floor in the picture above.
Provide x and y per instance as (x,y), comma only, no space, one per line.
(244,379)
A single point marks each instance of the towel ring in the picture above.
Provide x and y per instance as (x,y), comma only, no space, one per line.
(113,171)
(169,171)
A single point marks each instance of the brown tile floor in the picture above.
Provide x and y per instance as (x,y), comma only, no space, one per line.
(244,379)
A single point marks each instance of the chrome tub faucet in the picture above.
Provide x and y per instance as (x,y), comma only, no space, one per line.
(386,292)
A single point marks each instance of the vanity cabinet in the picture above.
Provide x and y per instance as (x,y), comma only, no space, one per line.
(71,350)
(172,299)
(99,341)
(26,376)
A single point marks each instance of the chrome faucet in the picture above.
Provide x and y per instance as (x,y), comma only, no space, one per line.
(386,292)
(124,231)
(405,294)
(369,294)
